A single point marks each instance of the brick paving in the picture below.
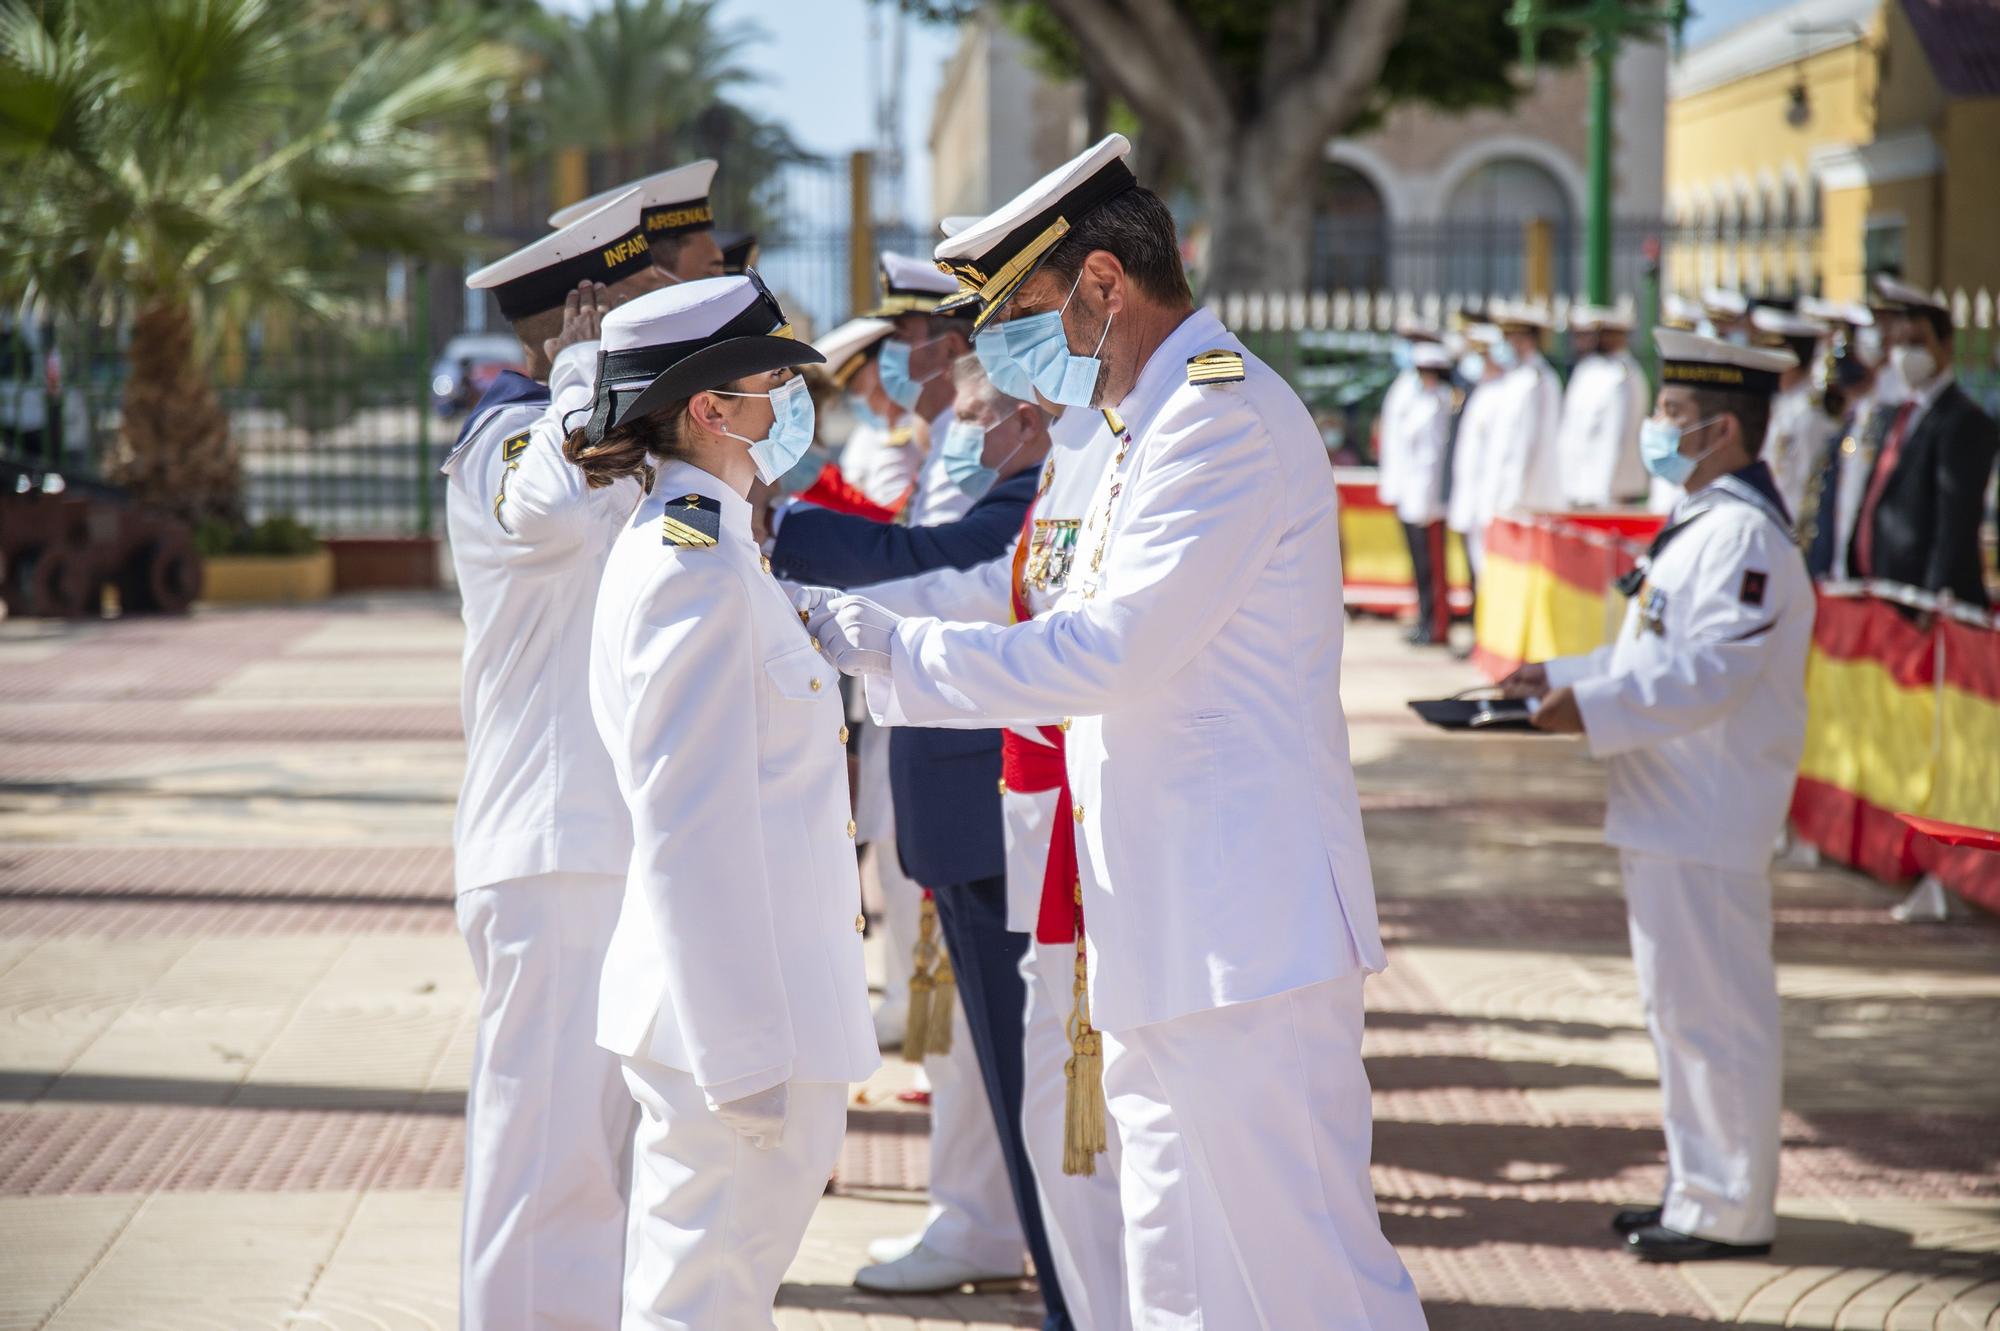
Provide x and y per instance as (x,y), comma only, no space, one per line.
(235,1019)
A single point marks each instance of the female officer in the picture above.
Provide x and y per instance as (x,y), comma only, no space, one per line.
(733,988)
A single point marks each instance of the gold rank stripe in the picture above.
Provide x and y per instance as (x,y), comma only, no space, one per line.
(514,447)
(683,535)
(1215,367)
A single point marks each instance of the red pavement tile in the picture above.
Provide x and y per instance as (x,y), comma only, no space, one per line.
(55,918)
(228,871)
(92,722)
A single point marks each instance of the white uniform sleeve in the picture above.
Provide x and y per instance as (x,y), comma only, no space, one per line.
(1565,671)
(982,594)
(543,500)
(697,835)
(1677,686)
(1200,521)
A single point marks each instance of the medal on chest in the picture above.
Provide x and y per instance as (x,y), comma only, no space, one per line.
(1652,610)
(1098,524)
(1052,552)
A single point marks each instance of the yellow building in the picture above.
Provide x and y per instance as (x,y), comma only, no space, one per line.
(1835,138)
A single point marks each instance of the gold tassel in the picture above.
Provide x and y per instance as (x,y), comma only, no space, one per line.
(1083,1096)
(916,1029)
(944,994)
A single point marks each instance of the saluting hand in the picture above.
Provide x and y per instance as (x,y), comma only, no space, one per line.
(583,318)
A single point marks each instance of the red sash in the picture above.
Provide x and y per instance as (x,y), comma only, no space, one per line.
(1032,768)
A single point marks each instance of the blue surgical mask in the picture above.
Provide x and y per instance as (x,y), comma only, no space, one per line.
(1660,449)
(964,445)
(865,414)
(803,473)
(1404,355)
(1504,355)
(1007,376)
(1039,345)
(1472,367)
(791,429)
(897,382)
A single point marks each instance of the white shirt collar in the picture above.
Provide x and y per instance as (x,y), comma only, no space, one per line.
(1166,369)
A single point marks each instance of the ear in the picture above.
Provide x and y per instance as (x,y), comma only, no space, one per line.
(705,410)
(1105,276)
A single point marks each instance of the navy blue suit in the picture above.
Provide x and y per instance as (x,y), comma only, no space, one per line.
(945,785)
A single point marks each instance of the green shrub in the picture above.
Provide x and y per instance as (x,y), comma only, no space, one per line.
(280,535)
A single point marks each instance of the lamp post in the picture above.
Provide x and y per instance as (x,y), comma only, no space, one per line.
(1603,24)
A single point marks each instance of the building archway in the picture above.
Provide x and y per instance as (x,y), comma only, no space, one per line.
(1486,215)
(1350,241)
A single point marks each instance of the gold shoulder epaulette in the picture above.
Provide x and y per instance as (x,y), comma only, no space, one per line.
(1215,367)
(693,522)
(900,436)
(1114,422)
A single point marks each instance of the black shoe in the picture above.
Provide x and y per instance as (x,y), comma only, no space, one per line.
(1419,638)
(1657,1243)
(1625,1222)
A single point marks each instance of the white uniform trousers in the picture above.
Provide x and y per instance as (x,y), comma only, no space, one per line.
(902,902)
(972,1217)
(1701,942)
(1246,1133)
(1080,1213)
(548,1122)
(715,1221)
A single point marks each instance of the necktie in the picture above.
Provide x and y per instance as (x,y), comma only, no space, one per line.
(1885,465)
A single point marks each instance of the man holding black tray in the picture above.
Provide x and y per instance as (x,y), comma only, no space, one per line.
(1699,709)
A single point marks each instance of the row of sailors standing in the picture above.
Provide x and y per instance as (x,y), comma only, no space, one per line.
(1475,426)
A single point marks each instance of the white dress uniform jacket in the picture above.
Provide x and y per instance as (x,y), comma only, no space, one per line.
(1388,457)
(1197,646)
(528,540)
(1597,447)
(1523,472)
(1699,705)
(1415,437)
(1796,443)
(1472,458)
(737,956)
(881,462)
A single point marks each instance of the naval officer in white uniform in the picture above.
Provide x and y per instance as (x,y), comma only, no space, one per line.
(733,988)
(541,840)
(1224,885)
(1699,710)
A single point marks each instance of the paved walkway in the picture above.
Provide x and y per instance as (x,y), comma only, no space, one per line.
(235,1019)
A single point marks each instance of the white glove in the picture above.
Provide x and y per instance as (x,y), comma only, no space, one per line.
(807,599)
(855,634)
(759,1118)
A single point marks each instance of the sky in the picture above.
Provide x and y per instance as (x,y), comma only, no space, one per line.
(1712,18)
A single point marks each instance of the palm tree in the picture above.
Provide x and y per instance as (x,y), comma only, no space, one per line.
(638,72)
(196,161)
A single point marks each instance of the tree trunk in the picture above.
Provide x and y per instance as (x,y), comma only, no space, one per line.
(174,450)
(1261,216)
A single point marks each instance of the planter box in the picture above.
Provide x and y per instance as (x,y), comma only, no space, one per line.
(375,564)
(267,579)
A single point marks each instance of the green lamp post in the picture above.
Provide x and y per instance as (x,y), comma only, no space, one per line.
(1604,24)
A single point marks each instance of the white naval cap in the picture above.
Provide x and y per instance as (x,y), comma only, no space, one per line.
(1725,302)
(671,203)
(1483,334)
(1519,314)
(602,245)
(911,286)
(1850,312)
(1678,311)
(955,223)
(1783,324)
(1594,318)
(1416,330)
(1693,361)
(670,344)
(1430,356)
(847,346)
(1893,293)
(995,255)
